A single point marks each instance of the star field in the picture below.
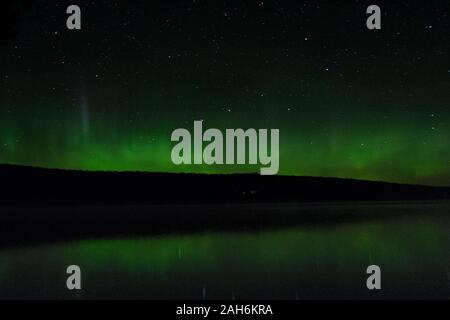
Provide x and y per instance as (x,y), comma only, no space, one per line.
(349,102)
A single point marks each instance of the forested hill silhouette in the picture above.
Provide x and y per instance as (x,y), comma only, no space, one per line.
(22,185)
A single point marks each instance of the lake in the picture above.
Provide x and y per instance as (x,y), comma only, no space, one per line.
(301,261)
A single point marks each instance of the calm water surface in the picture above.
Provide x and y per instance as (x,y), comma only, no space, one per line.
(302,262)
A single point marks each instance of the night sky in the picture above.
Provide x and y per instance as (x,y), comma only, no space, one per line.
(349,102)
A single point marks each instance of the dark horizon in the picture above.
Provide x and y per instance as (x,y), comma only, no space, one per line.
(37,186)
(149,173)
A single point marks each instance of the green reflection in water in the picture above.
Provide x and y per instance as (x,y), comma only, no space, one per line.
(320,261)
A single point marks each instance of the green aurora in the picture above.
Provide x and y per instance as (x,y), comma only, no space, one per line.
(348,103)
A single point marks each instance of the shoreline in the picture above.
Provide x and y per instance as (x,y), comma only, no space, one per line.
(27,225)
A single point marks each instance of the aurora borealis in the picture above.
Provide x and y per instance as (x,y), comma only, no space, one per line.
(349,102)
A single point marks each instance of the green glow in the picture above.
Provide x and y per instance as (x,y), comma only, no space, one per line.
(397,151)
(308,261)
(348,103)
